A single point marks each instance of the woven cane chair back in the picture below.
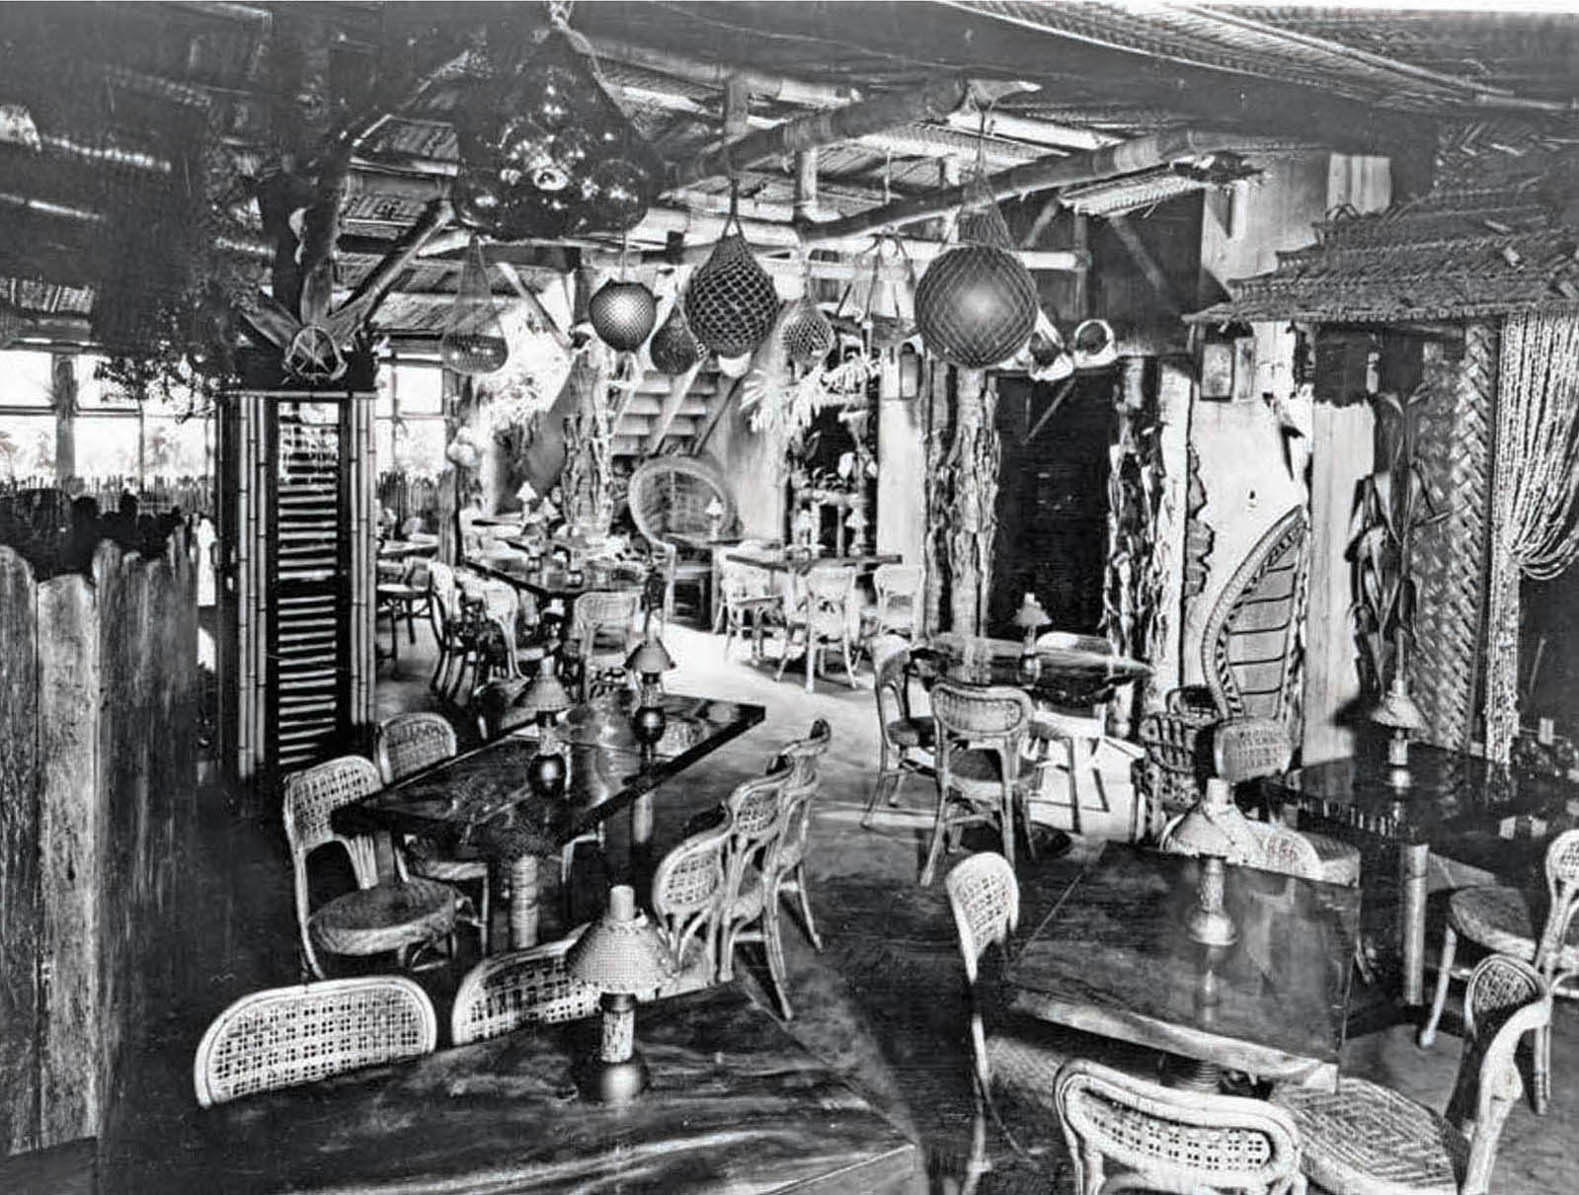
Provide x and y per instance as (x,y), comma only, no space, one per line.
(605,620)
(992,719)
(898,591)
(756,820)
(287,1036)
(669,497)
(446,593)
(891,680)
(1285,851)
(740,582)
(1248,644)
(1176,1140)
(804,757)
(1248,748)
(501,605)
(314,793)
(407,743)
(985,897)
(1562,887)
(688,890)
(520,987)
(825,602)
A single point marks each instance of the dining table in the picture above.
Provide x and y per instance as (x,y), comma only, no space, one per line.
(1061,676)
(736,1106)
(479,804)
(801,563)
(1114,958)
(1456,805)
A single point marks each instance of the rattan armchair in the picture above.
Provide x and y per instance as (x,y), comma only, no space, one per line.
(980,739)
(1365,1139)
(284,1037)
(669,497)
(688,891)
(603,632)
(1499,918)
(1163,1139)
(897,588)
(1247,650)
(905,740)
(756,823)
(786,863)
(406,744)
(823,615)
(376,918)
(520,987)
(747,600)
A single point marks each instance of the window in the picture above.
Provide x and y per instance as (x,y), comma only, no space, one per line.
(408,430)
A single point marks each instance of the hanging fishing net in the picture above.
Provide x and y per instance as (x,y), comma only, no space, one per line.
(474,342)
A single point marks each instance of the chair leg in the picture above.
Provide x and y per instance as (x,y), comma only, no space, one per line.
(1542,1066)
(1074,787)
(784,655)
(935,848)
(884,776)
(849,668)
(812,653)
(773,945)
(1006,822)
(803,898)
(1444,976)
(485,929)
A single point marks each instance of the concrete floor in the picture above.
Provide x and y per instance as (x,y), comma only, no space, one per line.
(883,1003)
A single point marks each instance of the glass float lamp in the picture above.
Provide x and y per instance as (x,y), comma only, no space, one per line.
(1030,618)
(623,956)
(649,661)
(1217,832)
(804,527)
(545,699)
(715,518)
(856,525)
(1403,718)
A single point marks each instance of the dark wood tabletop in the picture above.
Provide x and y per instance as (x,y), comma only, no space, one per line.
(552,583)
(735,1105)
(480,802)
(1063,675)
(779,562)
(1113,958)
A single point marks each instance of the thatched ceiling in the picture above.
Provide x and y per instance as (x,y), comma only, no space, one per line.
(157,123)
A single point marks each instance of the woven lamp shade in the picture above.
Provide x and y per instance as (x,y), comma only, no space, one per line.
(545,695)
(673,348)
(976,306)
(650,658)
(807,334)
(731,302)
(622,952)
(622,314)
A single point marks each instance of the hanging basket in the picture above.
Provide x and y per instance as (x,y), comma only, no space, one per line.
(622,314)
(474,342)
(673,349)
(731,302)
(807,335)
(976,306)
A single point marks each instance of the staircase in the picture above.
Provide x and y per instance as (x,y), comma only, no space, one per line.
(655,407)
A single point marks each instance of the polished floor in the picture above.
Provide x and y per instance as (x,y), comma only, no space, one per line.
(883,1003)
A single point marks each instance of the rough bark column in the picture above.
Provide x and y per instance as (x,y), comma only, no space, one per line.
(63,395)
(1448,558)
(939,492)
(973,465)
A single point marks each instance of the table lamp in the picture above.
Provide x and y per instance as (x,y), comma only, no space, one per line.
(715,518)
(1216,831)
(622,955)
(1031,618)
(856,524)
(650,661)
(545,699)
(1402,716)
(803,527)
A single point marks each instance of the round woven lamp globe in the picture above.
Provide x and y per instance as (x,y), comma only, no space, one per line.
(976,306)
(623,314)
(673,349)
(731,302)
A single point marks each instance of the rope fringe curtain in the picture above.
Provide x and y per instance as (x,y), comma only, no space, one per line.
(1536,485)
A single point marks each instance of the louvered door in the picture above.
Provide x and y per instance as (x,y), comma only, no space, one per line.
(297,581)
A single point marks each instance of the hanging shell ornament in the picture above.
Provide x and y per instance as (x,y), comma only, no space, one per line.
(1094,344)
(673,349)
(976,306)
(731,302)
(806,334)
(622,314)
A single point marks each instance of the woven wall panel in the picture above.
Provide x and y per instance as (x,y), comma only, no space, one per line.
(1449,558)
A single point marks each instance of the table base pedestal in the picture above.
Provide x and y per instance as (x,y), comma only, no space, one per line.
(523,902)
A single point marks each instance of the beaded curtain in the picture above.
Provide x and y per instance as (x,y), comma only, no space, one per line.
(1536,484)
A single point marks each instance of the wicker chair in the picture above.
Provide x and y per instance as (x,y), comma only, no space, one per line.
(688,891)
(1365,1139)
(747,600)
(376,918)
(905,739)
(1247,649)
(408,743)
(404,595)
(1500,919)
(669,497)
(284,1037)
(453,631)
(824,617)
(786,864)
(897,588)
(756,823)
(1246,749)
(603,633)
(980,736)
(1165,1139)
(520,987)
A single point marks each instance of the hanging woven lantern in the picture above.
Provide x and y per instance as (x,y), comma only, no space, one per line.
(474,342)
(673,349)
(622,313)
(807,334)
(731,302)
(976,305)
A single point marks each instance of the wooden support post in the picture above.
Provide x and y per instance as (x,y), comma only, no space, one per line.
(63,397)
(805,183)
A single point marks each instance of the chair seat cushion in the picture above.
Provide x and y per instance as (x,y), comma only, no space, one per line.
(1499,919)
(913,732)
(385,917)
(1368,1139)
(980,773)
(1340,861)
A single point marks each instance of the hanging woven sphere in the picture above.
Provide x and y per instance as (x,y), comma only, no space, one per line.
(976,306)
(807,334)
(731,302)
(622,313)
(673,349)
